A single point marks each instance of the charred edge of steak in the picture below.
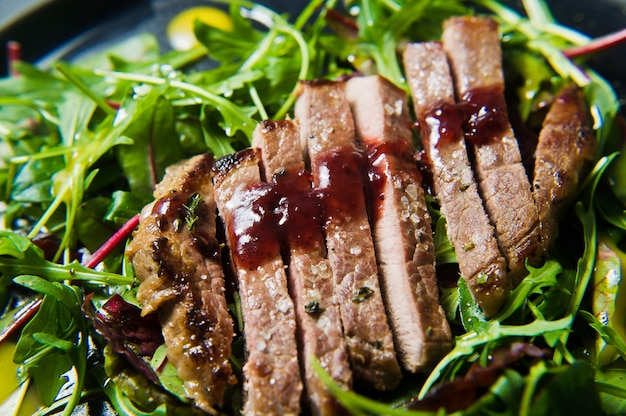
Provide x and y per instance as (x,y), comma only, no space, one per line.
(565,147)
(268,126)
(184,176)
(225,164)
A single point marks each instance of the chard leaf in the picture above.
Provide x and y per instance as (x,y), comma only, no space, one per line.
(33,182)
(51,375)
(155,144)
(610,382)
(132,394)
(124,206)
(129,392)
(571,392)
(128,334)
(91,230)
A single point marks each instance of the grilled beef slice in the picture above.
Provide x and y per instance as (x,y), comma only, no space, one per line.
(272,383)
(327,129)
(401,223)
(565,146)
(310,278)
(473,48)
(467,224)
(176,258)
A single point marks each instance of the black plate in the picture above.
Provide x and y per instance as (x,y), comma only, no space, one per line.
(55,29)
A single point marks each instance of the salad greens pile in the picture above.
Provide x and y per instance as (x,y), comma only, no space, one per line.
(82,145)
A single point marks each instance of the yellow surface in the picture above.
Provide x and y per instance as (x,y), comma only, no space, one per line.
(15,399)
(9,381)
(180,29)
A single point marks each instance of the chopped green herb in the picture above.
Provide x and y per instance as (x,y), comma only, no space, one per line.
(482,278)
(313,307)
(190,210)
(362,294)
(469,246)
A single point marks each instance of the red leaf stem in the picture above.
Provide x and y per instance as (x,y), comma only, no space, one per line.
(119,236)
(14,54)
(598,44)
(20,318)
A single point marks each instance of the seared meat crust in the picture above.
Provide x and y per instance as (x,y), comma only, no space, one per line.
(565,147)
(178,264)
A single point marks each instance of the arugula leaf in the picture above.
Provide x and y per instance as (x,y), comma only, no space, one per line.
(81,147)
(537,282)
(27,259)
(54,342)
(469,342)
(608,334)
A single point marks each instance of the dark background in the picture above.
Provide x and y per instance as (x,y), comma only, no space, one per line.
(50,29)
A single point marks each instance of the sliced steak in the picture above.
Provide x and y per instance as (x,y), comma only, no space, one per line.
(473,47)
(327,129)
(310,278)
(401,224)
(467,224)
(272,383)
(565,146)
(176,257)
